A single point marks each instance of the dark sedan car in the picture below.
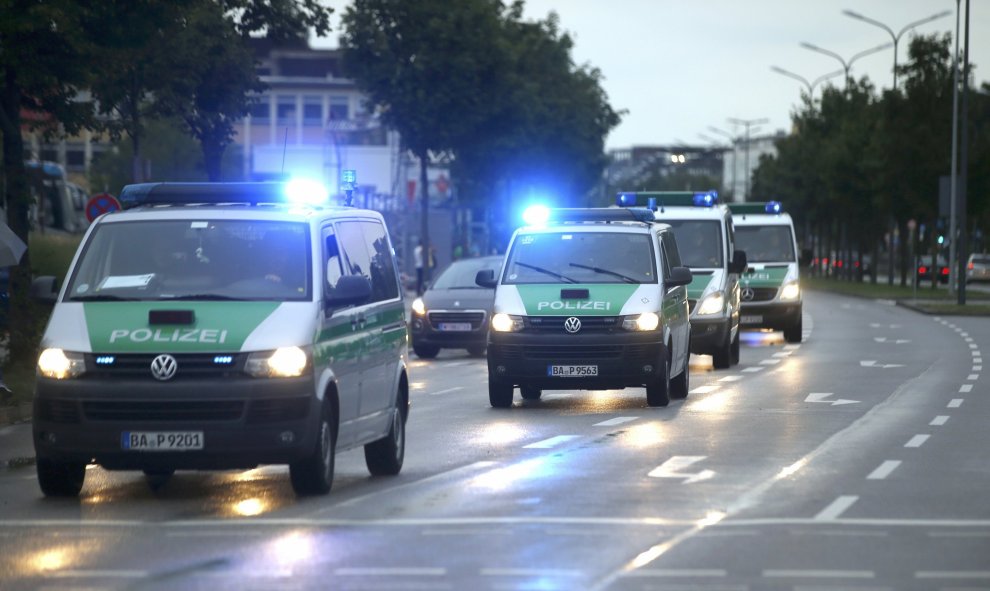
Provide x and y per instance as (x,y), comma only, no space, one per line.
(454,311)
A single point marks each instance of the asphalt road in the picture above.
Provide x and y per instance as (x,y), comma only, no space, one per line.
(856,460)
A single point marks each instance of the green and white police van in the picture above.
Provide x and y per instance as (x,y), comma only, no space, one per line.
(771,289)
(705,238)
(223,326)
(589,299)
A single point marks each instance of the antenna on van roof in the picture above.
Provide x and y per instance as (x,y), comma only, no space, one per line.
(285,143)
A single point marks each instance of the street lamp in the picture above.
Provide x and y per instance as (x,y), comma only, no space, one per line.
(810,85)
(747,123)
(846,65)
(896,37)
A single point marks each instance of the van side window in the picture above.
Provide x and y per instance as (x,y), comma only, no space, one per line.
(670,250)
(384,284)
(356,260)
(331,258)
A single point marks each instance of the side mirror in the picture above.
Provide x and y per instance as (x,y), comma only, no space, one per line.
(486,278)
(739,262)
(679,276)
(350,290)
(45,289)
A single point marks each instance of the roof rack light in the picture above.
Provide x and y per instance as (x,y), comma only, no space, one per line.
(755,207)
(602,214)
(669,198)
(291,193)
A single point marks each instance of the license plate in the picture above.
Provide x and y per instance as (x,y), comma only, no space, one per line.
(455,326)
(161,440)
(750,319)
(571,371)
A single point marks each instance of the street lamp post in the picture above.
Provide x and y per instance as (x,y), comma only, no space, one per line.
(747,123)
(896,37)
(810,85)
(846,65)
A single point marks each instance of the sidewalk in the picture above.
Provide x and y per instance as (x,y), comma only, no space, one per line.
(16,447)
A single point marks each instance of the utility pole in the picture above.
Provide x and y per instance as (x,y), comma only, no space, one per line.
(748,124)
(964,164)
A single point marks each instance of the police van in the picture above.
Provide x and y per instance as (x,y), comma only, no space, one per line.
(223,326)
(705,238)
(589,299)
(771,289)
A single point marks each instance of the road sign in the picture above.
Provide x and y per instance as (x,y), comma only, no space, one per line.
(100,204)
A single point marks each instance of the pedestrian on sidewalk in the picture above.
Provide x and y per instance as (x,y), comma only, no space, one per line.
(418,262)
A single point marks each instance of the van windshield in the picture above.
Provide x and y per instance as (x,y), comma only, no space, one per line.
(581,257)
(699,242)
(766,244)
(194,260)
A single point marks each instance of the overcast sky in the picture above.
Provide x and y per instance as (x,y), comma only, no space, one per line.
(680,66)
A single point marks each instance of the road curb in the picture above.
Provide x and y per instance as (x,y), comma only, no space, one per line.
(13,463)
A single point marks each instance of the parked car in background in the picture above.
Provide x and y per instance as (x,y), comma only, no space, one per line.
(925,269)
(454,311)
(978,268)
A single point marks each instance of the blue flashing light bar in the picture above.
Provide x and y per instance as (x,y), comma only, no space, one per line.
(219,193)
(602,214)
(536,215)
(705,199)
(625,199)
(773,207)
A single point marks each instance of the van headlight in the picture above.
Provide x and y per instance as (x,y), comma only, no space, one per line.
(60,365)
(712,303)
(790,291)
(644,321)
(507,323)
(418,307)
(284,362)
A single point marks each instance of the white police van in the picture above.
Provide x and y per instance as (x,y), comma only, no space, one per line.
(771,289)
(589,299)
(706,241)
(222,326)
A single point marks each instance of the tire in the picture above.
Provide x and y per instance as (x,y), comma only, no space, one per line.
(477,351)
(722,357)
(500,394)
(792,334)
(734,350)
(314,474)
(384,457)
(680,385)
(60,479)
(426,351)
(530,392)
(658,392)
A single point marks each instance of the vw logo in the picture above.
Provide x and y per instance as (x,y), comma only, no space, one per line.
(572,324)
(164,367)
(748,294)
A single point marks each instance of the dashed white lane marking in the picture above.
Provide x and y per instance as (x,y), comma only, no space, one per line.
(977,368)
(968,339)
(836,508)
(955,403)
(753,369)
(704,389)
(446,390)
(966,388)
(972,377)
(676,572)
(964,334)
(97,574)
(770,362)
(884,470)
(672,469)
(791,347)
(939,420)
(973,346)
(782,354)
(413,571)
(819,574)
(917,440)
(615,421)
(730,379)
(551,442)
(530,572)
(952,574)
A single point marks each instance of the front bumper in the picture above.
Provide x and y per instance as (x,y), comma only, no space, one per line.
(776,315)
(423,331)
(622,360)
(709,334)
(245,421)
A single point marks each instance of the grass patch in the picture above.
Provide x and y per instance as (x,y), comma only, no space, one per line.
(20,380)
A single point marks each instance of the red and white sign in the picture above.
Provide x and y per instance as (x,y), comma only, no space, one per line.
(100,204)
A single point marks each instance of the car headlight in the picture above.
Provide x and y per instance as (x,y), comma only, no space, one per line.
(507,323)
(60,365)
(419,307)
(790,291)
(284,362)
(644,321)
(712,303)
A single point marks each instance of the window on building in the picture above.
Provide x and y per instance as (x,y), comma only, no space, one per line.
(75,156)
(339,108)
(260,111)
(285,110)
(312,110)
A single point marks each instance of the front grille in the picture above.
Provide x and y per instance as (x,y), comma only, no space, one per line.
(58,411)
(555,324)
(185,410)
(763,294)
(138,365)
(476,318)
(273,410)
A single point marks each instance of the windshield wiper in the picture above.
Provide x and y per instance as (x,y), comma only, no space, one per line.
(204,296)
(547,272)
(625,278)
(101,298)
(467,287)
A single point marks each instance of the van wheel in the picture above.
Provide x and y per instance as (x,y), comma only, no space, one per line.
(60,479)
(426,351)
(477,351)
(792,334)
(722,357)
(530,392)
(680,385)
(734,350)
(384,457)
(658,391)
(314,474)
(500,394)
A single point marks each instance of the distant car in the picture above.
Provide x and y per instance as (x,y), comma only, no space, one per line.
(925,269)
(978,268)
(454,312)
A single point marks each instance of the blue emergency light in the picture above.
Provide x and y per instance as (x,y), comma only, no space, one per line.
(773,207)
(536,215)
(625,199)
(292,192)
(705,199)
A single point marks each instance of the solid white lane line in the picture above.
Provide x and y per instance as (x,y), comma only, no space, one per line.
(836,508)
(439,392)
(952,574)
(97,574)
(704,389)
(820,574)
(615,421)
(730,379)
(955,403)
(530,572)
(966,388)
(770,362)
(884,470)
(973,377)
(917,441)
(939,420)
(676,572)
(551,442)
(747,370)
(413,571)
